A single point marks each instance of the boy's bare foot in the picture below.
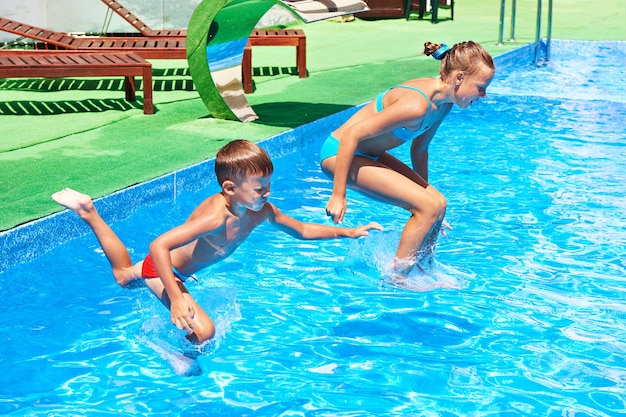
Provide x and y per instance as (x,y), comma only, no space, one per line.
(73,200)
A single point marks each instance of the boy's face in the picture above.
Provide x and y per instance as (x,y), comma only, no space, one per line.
(253,191)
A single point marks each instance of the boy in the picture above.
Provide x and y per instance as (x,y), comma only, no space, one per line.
(211,233)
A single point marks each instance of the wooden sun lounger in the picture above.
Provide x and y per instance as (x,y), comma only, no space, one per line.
(55,64)
(158,47)
(259,37)
(273,37)
(145,47)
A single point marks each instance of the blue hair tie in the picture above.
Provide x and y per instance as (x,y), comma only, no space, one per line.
(441,52)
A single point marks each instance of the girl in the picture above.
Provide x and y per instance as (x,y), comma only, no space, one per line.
(356,153)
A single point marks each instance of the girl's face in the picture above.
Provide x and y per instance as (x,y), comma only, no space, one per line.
(471,88)
(252,192)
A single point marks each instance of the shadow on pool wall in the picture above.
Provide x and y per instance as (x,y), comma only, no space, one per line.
(32,239)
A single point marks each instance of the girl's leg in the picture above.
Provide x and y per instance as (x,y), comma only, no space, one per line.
(426,251)
(385,183)
(113,248)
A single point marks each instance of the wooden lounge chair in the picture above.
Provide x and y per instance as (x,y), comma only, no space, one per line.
(54,64)
(258,37)
(273,37)
(146,47)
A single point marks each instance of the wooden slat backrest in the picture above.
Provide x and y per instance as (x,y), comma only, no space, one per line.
(125,14)
(140,25)
(33,32)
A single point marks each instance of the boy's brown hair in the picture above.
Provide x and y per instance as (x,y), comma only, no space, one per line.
(240,158)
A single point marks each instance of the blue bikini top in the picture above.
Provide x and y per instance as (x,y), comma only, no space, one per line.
(403,133)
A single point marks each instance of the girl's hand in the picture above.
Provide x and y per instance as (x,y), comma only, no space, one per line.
(336,208)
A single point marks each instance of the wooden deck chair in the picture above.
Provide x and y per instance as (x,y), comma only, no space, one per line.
(278,37)
(15,63)
(138,24)
(146,47)
(274,37)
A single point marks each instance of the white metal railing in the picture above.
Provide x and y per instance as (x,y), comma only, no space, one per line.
(538,34)
(513,11)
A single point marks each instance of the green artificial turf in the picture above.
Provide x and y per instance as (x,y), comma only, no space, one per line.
(82,134)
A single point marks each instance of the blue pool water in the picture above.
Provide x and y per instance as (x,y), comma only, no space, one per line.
(535,177)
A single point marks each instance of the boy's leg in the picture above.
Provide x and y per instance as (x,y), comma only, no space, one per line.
(113,248)
(119,258)
(203,327)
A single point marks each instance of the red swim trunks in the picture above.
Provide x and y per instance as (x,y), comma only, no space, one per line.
(148,270)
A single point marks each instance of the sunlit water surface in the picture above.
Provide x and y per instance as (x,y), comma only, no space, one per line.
(535,177)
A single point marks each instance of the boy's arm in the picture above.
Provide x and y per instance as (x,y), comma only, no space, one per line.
(311,231)
(181,311)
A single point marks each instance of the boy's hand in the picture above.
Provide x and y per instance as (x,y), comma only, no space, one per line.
(445,225)
(182,313)
(363,230)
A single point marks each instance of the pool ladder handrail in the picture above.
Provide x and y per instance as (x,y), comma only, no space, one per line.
(513,12)
(538,35)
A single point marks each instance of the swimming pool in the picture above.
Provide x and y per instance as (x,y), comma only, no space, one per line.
(535,177)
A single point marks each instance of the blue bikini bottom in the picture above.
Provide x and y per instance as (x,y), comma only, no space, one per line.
(331,146)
